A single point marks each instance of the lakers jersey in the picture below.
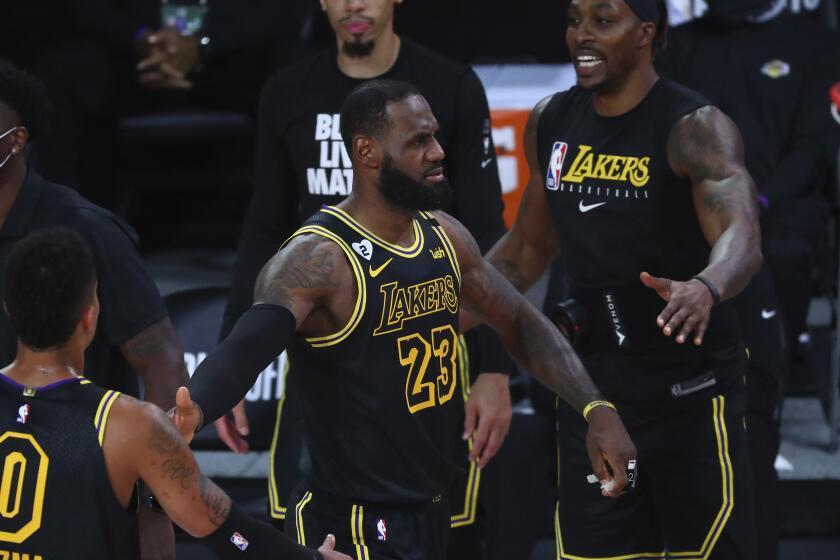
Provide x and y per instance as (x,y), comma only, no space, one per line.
(56,500)
(380,396)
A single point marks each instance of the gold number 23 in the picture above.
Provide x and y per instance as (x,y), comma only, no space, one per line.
(416,352)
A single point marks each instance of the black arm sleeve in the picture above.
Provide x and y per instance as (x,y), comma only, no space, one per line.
(226,375)
(240,536)
(272,216)
(478,200)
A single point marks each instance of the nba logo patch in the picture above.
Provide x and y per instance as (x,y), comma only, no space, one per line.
(383,530)
(239,541)
(555,165)
(23,414)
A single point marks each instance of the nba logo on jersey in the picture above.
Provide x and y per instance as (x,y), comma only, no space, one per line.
(240,541)
(23,414)
(383,530)
(555,165)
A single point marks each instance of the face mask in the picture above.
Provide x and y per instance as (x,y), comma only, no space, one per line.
(3,136)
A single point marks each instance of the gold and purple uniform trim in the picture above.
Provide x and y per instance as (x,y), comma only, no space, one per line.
(407,252)
(301,533)
(102,412)
(447,245)
(467,515)
(361,298)
(357,518)
(276,508)
(725,511)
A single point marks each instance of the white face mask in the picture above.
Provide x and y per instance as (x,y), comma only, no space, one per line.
(3,136)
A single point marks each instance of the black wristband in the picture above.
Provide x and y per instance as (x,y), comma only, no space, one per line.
(241,536)
(710,286)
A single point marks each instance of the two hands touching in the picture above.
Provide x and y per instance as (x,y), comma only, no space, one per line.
(166,59)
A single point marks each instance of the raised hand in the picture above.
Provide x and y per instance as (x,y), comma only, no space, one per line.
(186,415)
(688,309)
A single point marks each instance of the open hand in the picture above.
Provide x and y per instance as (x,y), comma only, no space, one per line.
(488,416)
(688,310)
(233,427)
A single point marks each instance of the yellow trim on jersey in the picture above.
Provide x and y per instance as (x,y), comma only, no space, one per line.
(407,252)
(728,497)
(467,516)
(447,246)
(357,529)
(85,382)
(301,534)
(275,508)
(361,298)
(102,411)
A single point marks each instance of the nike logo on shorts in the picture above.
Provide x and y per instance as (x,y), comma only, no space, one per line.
(584,208)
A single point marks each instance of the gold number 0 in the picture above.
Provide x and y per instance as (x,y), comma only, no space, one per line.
(416,353)
(24,463)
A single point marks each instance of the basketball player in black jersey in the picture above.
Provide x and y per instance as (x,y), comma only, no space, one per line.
(368,296)
(640,184)
(73,453)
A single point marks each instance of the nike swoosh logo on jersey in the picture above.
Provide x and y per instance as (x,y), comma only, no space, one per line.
(765,314)
(486,162)
(584,208)
(374,272)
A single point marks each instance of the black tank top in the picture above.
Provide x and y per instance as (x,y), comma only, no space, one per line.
(380,397)
(56,500)
(619,210)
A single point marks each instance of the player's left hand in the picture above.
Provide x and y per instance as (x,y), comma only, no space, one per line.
(688,309)
(186,415)
(488,416)
(157,537)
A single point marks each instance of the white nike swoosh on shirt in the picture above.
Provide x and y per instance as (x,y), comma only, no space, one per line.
(486,162)
(587,207)
(768,314)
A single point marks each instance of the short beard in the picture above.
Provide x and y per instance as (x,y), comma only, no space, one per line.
(404,192)
(359,49)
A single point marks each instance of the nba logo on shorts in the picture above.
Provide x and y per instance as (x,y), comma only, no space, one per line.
(240,541)
(23,414)
(383,530)
(555,165)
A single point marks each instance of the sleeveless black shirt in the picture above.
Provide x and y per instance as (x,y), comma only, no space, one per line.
(56,500)
(619,210)
(381,398)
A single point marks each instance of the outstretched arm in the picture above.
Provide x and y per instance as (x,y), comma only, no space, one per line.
(705,146)
(536,343)
(305,276)
(141,443)
(529,248)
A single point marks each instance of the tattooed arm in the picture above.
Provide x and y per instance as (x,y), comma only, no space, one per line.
(529,248)
(705,146)
(156,355)
(531,338)
(141,444)
(307,287)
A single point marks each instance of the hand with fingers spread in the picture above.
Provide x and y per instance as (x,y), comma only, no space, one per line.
(233,428)
(610,448)
(689,306)
(186,415)
(328,551)
(488,416)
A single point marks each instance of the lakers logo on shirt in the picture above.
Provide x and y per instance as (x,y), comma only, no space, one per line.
(590,165)
(401,304)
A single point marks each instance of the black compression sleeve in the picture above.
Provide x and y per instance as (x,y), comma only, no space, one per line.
(223,378)
(240,536)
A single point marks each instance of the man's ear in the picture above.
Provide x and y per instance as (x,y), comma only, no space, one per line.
(367,151)
(647,33)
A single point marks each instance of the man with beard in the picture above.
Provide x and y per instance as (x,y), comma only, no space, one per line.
(366,295)
(636,178)
(301,164)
